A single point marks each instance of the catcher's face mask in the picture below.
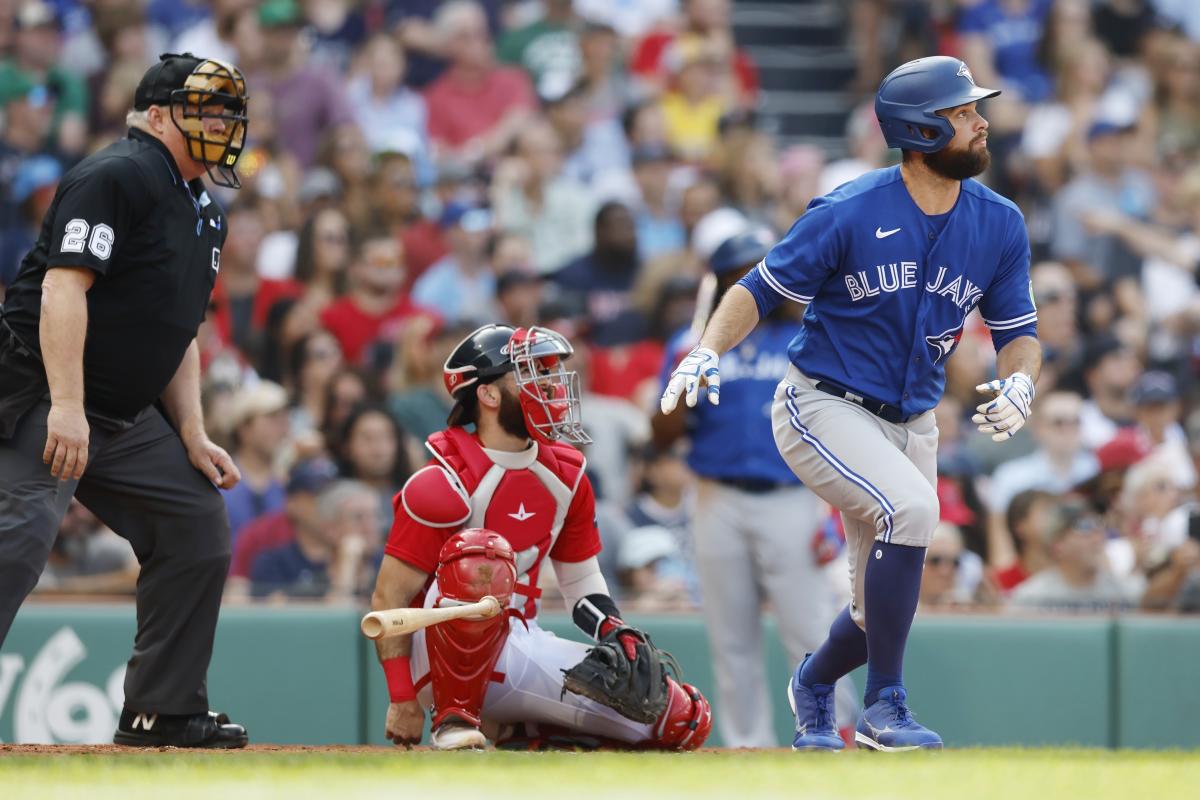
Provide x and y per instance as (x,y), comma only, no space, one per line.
(214,90)
(549,393)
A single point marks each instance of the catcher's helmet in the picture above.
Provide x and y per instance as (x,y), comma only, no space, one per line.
(912,93)
(739,251)
(482,356)
(202,89)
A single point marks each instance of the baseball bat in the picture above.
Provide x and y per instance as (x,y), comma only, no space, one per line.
(396,621)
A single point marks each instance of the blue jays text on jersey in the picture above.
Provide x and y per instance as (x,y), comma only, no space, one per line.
(889,287)
(734,440)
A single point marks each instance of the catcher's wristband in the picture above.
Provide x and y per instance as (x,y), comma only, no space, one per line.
(399,679)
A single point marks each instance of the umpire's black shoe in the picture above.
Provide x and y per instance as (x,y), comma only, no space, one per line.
(210,730)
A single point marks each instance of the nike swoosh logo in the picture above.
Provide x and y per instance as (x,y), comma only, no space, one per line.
(880,233)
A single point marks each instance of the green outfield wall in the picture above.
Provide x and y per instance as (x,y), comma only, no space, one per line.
(301,675)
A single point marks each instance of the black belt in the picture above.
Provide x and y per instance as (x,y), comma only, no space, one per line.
(882,410)
(753,485)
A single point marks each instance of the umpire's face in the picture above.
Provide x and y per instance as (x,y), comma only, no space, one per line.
(172,137)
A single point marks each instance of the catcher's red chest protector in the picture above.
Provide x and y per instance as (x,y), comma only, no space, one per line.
(522,497)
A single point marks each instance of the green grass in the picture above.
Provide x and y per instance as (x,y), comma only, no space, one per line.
(1005,774)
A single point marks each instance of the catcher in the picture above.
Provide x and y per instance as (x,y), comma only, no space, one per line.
(521,494)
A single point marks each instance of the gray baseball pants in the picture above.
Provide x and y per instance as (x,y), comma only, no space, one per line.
(754,549)
(140,483)
(881,475)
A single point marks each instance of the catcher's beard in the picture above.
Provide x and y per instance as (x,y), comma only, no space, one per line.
(958,165)
(511,416)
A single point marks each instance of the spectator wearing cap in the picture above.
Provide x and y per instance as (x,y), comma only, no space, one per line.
(1110,368)
(756,529)
(308,98)
(327,561)
(30,194)
(376,296)
(519,297)
(35,60)
(391,116)
(1110,182)
(87,558)
(651,571)
(28,112)
(548,47)
(1059,463)
(532,197)
(259,422)
(694,105)
(461,285)
(475,107)
(595,151)
(1156,413)
(603,279)
(659,229)
(306,480)
(707,20)
(1077,578)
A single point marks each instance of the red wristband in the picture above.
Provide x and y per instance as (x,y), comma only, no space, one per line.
(399,679)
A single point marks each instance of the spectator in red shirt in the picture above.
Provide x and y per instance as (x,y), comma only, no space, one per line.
(708,19)
(376,296)
(475,107)
(397,207)
(1028,520)
(306,480)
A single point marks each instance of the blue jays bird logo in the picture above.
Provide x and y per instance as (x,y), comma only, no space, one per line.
(942,345)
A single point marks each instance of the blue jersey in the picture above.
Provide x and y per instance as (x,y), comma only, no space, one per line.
(734,440)
(889,287)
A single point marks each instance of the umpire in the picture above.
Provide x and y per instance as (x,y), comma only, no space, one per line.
(754,522)
(100,386)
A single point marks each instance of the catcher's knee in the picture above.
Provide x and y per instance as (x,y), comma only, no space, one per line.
(686,722)
(462,652)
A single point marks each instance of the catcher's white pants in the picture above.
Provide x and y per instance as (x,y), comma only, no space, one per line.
(532,662)
(753,548)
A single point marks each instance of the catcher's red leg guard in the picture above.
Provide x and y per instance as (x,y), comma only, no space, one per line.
(462,652)
(686,722)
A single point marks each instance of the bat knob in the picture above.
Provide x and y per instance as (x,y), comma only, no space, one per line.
(494,607)
(371,626)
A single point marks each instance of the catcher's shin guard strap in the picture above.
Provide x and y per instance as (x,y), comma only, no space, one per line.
(398,671)
(591,612)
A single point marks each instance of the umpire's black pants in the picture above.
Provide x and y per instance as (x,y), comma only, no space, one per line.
(140,483)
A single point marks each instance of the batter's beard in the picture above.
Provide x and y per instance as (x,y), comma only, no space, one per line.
(958,165)
(511,417)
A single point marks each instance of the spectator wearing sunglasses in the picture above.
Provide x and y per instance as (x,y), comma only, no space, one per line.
(1078,578)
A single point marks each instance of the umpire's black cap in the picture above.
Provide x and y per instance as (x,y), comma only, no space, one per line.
(169,74)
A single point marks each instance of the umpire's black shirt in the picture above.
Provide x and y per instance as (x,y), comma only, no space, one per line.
(154,243)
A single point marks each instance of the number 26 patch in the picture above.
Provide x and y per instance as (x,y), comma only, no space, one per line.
(100,243)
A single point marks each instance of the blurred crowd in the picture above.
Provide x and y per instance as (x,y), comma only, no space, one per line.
(416,168)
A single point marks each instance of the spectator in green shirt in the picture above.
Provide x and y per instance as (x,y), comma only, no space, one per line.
(547,47)
(38,43)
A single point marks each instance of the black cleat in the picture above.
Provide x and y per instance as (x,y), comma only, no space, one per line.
(210,730)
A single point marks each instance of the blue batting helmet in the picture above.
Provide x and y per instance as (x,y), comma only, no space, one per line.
(912,93)
(740,251)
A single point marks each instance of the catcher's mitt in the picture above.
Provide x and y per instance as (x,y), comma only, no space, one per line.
(636,687)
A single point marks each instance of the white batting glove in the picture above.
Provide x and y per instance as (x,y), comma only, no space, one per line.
(1006,414)
(700,363)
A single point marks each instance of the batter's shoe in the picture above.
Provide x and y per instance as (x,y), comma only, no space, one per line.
(455,735)
(209,730)
(816,724)
(888,726)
